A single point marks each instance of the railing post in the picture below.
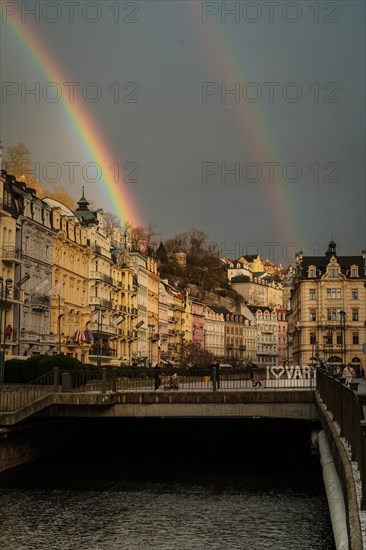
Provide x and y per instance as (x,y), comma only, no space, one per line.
(56,378)
(362,464)
(104,380)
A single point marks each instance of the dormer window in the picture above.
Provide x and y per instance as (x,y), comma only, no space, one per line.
(333,272)
(312,272)
(354,271)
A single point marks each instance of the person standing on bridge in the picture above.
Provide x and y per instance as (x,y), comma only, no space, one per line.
(348,373)
(157,376)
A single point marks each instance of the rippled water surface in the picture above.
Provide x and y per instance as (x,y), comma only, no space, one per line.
(170,489)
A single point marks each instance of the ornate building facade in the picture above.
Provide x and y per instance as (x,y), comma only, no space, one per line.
(327,320)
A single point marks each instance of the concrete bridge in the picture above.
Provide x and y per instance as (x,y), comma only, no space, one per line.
(29,414)
(277,394)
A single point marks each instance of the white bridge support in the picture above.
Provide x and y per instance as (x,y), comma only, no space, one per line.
(333,490)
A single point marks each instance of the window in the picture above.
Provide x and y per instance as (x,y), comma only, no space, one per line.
(312,315)
(332,314)
(354,271)
(333,293)
(312,273)
(339,338)
(355,314)
(354,293)
(333,272)
(355,338)
(312,338)
(312,294)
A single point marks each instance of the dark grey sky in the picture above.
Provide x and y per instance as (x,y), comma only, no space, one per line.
(204,159)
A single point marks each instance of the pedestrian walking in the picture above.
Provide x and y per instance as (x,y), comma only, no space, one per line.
(157,376)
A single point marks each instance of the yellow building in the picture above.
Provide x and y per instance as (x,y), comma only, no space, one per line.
(328,309)
(70,311)
(153,281)
(125,306)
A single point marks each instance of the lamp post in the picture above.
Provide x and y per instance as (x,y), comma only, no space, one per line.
(181,348)
(4,292)
(150,343)
(313,342)
(99,312)
(342,321)
(330,341)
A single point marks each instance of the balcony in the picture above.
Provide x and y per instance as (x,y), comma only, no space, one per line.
(95,300)
(40,301)
(14,296)
(31,336)
(11,254)
(102,277)
(106,352)
(106,328)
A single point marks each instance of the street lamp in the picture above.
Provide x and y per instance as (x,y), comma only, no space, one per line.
(329,342)
(342,321)
(150,343)
(313,343)
(99,312)
(4,292)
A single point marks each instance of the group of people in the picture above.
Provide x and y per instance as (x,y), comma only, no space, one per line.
(169,381)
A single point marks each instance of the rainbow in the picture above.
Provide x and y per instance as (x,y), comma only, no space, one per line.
(80,122)
(290,222)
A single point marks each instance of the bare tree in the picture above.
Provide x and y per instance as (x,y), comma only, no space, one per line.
(111,222)
(18,163)
(150,236)
(137,238)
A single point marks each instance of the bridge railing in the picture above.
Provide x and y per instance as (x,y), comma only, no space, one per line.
(142,379)
(212,379)
(349,411)
(14,398)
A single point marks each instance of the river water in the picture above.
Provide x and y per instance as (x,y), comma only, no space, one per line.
(169,485)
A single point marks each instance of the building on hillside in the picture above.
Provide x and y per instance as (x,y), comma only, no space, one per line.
(198,322)
(267,339)
(214,332)
(173,313)
(259,290)
(237,268)
(240,336)
(328,309)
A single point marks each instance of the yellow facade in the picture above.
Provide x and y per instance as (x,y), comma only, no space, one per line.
(70,311)
(328,310)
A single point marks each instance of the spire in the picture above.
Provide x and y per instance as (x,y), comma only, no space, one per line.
(332,248)
(83,203)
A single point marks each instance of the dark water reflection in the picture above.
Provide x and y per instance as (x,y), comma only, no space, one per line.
(171,485)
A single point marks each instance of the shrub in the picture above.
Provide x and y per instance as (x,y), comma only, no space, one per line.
(18,371)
